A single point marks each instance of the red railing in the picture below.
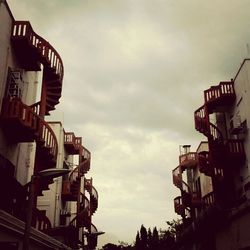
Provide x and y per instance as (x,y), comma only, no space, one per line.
(41,52)
(23,29)
(235,147)
(26,115)
(191,156)
(177,177)
(48,136)
(83,217)
(93,194)
(40,220)
(178,206)
(188,160)
(208,199)
(224,89)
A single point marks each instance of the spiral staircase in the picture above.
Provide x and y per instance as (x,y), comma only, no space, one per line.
(188,199)
(72,187)
(223,153)
(25,123)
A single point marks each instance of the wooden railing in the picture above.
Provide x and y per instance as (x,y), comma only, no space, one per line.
(93,194)
(178,206)
(191,156)
(235,147)
(26,115)
(48,136)
(83,214)
(41,221)
(38,50)
(177,177)
(217,92)
(208,199)
(23,29)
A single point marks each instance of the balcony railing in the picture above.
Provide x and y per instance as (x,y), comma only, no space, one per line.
(220,95)
(208,199)
(41,221)
(178,206)
(72,143)
(25,125)
(188,160)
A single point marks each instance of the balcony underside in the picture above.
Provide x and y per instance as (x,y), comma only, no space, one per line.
(28,56)
(71,148)
(16,131)
(221,104)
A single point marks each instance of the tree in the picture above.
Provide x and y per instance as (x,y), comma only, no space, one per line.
(150,238)
(110,246)
(137,241)
(144,237)
(155,239)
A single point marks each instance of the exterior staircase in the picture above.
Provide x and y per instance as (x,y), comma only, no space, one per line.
(213,163)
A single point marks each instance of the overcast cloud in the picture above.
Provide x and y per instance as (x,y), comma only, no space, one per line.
(135,71)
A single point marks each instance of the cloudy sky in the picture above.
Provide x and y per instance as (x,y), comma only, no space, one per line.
(135,71)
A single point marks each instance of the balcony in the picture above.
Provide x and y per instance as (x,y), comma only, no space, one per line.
(218,98)
(235,151)
(23,124)
(188,160)
(208,199)
(72,143)
(31,51)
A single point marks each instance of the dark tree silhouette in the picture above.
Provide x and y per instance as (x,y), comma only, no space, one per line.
(144,237)
(150,237)
(138,241)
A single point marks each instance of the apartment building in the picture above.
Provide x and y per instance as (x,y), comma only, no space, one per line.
(47,202)
(214,180)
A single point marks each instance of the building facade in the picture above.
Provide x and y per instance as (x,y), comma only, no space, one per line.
(214,180)
(35,153)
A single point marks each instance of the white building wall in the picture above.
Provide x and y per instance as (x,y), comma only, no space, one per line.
(17,153)
(241,108)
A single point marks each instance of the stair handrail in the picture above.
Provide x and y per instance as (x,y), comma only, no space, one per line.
(28,115)
(94,193)
(208,199)
(200,120)
(48,136)
(41,221)
(36,107)
(177,176)
(74,221)
(24,29)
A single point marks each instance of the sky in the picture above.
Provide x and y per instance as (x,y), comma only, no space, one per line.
(135,72)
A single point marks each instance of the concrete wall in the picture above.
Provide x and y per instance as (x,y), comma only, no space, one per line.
(17,153)
(235,235)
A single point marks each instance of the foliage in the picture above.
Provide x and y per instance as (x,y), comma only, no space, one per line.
(151,240)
